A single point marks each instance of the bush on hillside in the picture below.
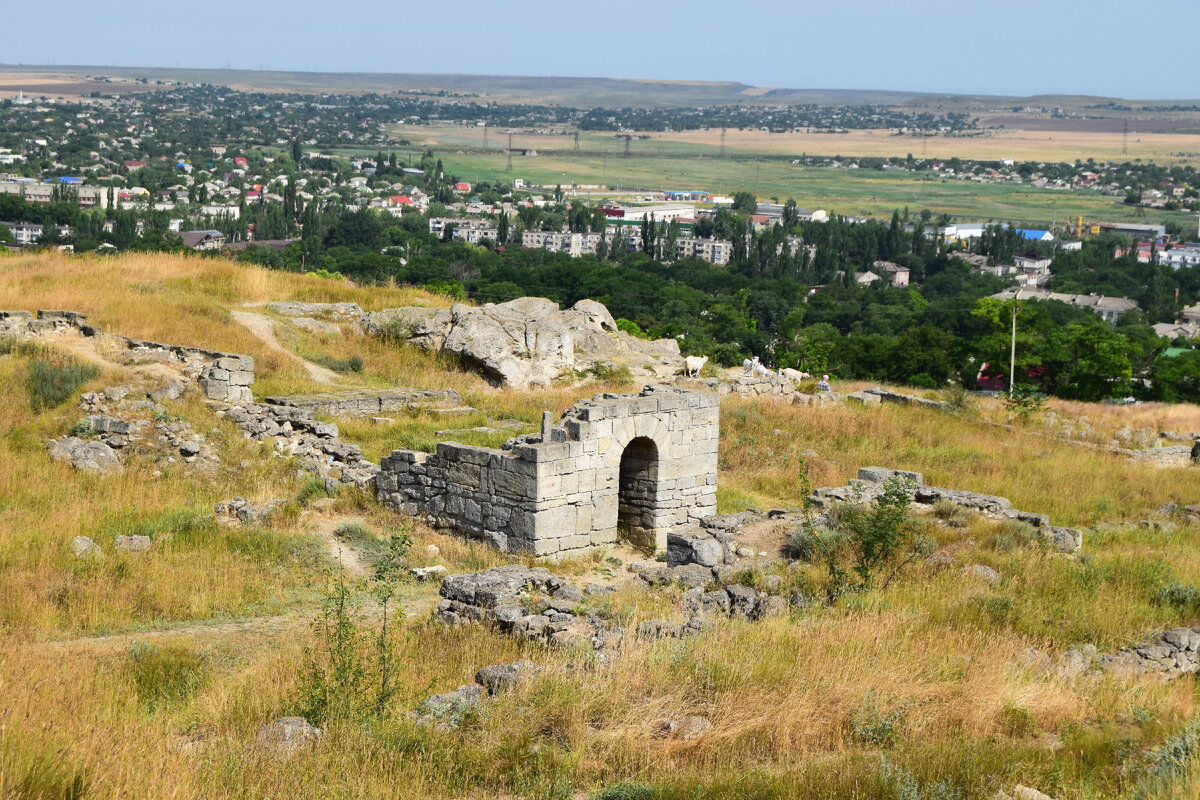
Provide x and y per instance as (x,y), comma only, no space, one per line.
(51,383)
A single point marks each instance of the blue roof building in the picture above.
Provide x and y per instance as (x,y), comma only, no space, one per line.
(1035,235)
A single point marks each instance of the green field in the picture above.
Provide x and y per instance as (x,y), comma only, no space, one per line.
(840,191)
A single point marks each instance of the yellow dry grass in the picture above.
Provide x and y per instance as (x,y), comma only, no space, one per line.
(952,657)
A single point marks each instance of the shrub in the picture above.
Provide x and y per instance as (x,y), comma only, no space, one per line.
(611,373)
(631,327)
(1169,763)
(903,785)
(1025,402)
(313,489)
(876,533)
(627,790)
(166,675)
(872,725)
(343,365)
(1182,596)
(998,610)
(952,514)
(396,331)
(50,384)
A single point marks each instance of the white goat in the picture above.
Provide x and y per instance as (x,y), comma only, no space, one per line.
(760,370)
(795,376)
(750,366)
(693,364)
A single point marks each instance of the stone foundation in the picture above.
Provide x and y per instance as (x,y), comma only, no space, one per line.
(638,466)
(368,404)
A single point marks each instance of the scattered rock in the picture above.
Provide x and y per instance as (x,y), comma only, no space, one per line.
(83,547)
(686,728)
(89,456)
(425,573)
(133,544)
(502,677)
(324,505)
(983,573)
(288,735)
(171,391)
(451,708)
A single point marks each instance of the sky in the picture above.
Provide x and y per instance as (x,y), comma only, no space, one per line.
(1140,50)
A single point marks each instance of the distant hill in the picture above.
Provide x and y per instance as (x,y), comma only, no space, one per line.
(579,92)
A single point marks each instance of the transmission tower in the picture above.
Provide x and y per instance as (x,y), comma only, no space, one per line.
(577,140)
(722,141)
(628,139)
(485,136)
(1125,139)
(508,168)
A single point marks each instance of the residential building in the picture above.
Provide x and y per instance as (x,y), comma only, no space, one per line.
(1184,255)
(1109,309)
(203,240)
(1177,330)
(1192,314)
(714,251)
(475,234)
(26,233)
(896,275)
(437,225)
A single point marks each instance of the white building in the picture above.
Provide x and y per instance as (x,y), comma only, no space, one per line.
(1184,255)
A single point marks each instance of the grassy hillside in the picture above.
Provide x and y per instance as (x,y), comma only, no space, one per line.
(149,674)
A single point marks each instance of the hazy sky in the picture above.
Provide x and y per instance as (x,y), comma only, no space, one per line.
(1142,50)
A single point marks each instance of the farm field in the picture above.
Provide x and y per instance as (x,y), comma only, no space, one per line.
(840,191)
(663,163)
(1017,144)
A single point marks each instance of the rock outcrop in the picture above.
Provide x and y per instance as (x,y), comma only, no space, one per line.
(85,455)
(528,341)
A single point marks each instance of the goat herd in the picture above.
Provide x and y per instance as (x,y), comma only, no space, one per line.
(751,366)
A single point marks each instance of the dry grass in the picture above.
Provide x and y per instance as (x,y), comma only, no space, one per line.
(1017,144)
(783,694)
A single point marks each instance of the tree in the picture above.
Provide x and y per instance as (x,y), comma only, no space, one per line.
(745,203)
(1098,364)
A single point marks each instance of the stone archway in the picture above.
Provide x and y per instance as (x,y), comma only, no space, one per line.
(637,493)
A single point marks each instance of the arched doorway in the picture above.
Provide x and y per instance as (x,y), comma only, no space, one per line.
(637,493)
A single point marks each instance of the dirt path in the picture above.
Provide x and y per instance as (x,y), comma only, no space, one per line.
(263,327)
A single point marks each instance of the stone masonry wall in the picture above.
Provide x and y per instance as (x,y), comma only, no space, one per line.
(563,492)
(368,404)
(226,377)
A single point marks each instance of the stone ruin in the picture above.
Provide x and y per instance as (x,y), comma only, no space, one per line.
(615,465)
(225,377)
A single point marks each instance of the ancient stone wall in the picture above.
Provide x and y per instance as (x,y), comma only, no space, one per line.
(638,466)
(222,376)
(369,404)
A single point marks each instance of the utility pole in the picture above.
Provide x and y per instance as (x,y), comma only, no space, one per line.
(485,136)
(1125,139)
(628,139)
(577,140)
(1012,358)
(722,141)
(508,168)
